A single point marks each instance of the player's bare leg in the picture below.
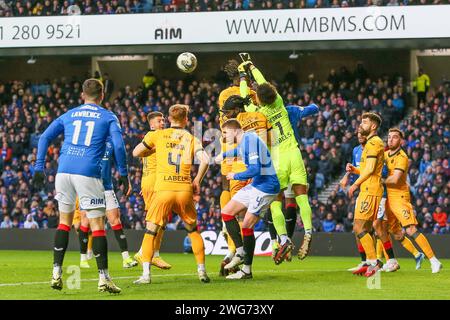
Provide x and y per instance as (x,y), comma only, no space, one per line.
(423,243)
(301,198)
(60,244)
(100,248)
(113,217)
(157,261)
(249,247)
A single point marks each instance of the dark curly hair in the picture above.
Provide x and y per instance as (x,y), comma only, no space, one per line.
(231,69)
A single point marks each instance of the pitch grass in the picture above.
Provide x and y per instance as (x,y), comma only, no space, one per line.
(26,275)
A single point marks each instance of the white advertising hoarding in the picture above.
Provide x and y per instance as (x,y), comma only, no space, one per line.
(412,22)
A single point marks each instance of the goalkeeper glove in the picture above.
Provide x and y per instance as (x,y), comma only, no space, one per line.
(38,180)
(123,180)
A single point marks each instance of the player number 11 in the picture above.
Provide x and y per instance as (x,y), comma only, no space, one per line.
(76,134)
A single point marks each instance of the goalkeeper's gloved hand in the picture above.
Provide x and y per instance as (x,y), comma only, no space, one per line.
(244,68)
(123,180)
(38,180)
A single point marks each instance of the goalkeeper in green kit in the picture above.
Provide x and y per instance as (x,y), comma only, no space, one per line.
(286,157)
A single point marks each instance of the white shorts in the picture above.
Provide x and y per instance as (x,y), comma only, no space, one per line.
(111,200)
(289,193)
(382,209)
(90,191)
(256,201)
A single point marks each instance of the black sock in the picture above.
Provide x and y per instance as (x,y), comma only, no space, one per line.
(249,245)
(291,220)
(234,230)
(100,248)
(389,250)
(272,230)
(83,238)
(61,242)
(120,237)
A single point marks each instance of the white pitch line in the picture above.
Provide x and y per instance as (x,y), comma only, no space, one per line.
(167,275)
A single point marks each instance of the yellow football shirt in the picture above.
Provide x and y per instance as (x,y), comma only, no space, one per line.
(397,161)
(175,150)
(148,166)
(374,148)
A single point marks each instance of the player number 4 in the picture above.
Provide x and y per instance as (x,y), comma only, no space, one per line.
(176,163)
(90,131)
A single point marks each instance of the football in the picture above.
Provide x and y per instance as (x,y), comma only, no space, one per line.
(186,62)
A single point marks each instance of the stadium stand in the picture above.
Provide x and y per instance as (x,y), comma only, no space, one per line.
(88,7)
(327,142)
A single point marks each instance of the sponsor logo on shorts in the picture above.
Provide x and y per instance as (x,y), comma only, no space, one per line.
(97,201)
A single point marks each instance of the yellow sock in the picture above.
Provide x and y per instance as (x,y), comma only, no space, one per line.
(231,246)
(89,247)
(369,246)
(380,249)
(225,197)
(408,245)
(148,245)
(198,247)
(158,239)
(424,245)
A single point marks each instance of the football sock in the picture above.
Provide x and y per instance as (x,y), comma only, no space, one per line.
(408,245)
(380,249)
(423,244)
(100,248)
(272,231)
(231,246)
(89,247)
(83,238)
(368,245)
(158,241)
(233,228)
(305,211)
(361,251)
(120,237)
(146,269)
(61,242)
(225,197)
(291,218)
(389,250)
(247,269)
(249,245)
(148,246)
(278,218)
(283,239)
(198,247)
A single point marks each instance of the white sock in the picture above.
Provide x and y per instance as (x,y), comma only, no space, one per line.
(56,272)
(391,261)
(103,274)
(283,238)
(125,255)
(434,260)
(140,251)
(201,267)
(240,251)
(156,254)
(146,269)
(372,262)
(83,257)
(308,231)
(247,268)
(229,255)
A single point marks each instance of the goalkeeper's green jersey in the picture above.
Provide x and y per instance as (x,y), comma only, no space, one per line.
(283,137)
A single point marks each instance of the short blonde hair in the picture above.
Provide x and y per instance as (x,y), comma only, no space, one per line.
(178,112)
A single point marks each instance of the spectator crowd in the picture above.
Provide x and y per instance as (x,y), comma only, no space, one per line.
(87,7)
(327,141)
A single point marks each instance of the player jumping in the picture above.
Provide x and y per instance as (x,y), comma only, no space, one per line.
(287,161)
(254,199)
(175,151)
(86,129)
